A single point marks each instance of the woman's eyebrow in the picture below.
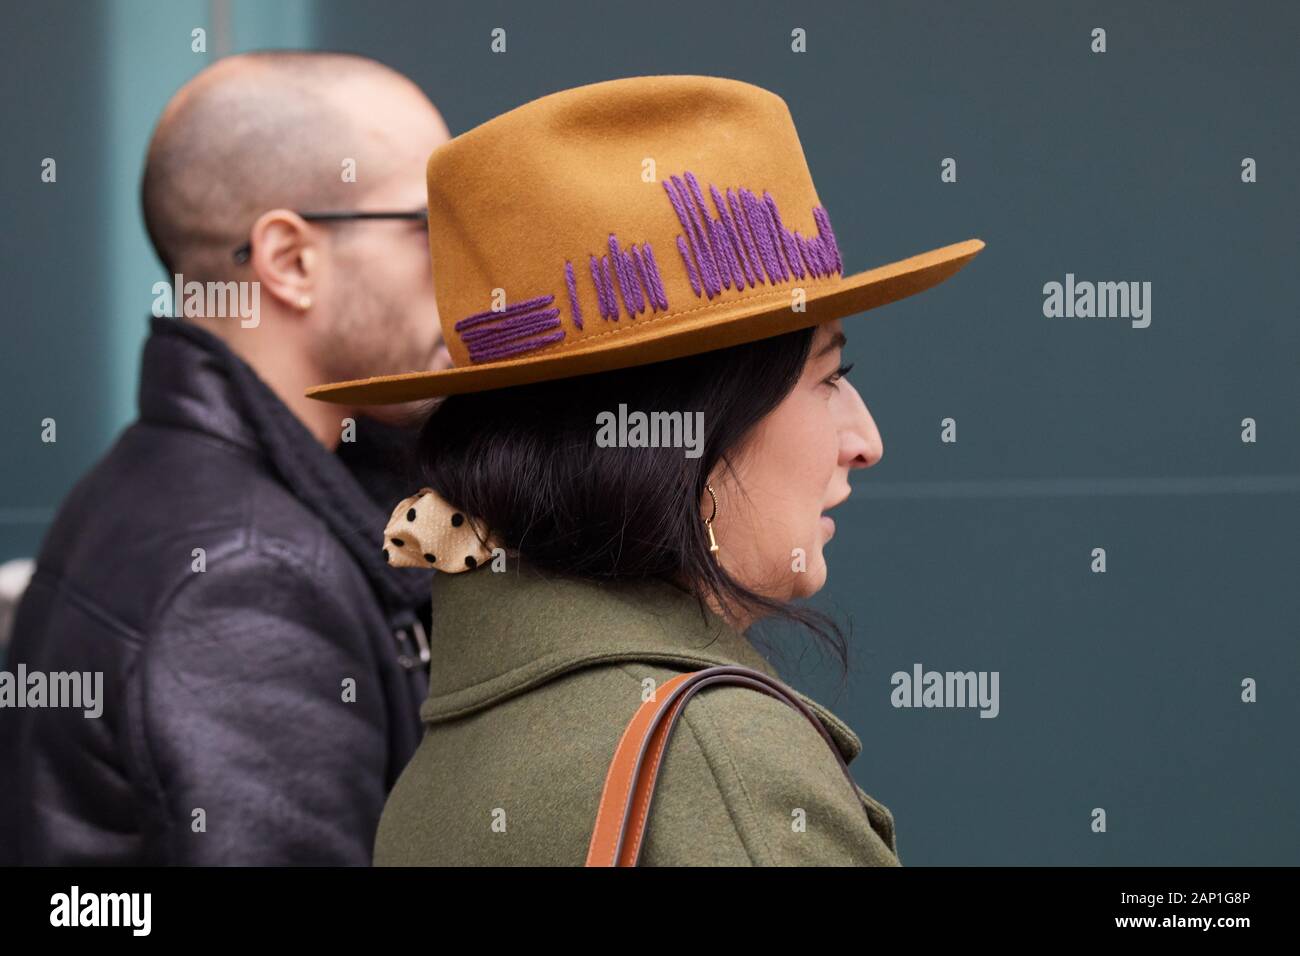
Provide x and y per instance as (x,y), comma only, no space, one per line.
(837,341)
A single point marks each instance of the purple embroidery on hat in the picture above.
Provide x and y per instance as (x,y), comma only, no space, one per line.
(683,205)
(830,247)
(573,294)
(747,240)
(638,267)
(507,350)
(731,266)
(722,278)
(790,240)
(820,263)
(633,283)
(810,255)
(603,293)
(733,237)
(683,246)
(648,269)
(480,317)
(783,235)
(513,327)
(609,288)
(746,243)
(756,221)
(690,269)
(497,334)
(518,333)
(611,297)
(595,280)
(628,284)
(763,218)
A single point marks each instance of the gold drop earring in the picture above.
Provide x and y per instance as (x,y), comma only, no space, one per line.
(708,522)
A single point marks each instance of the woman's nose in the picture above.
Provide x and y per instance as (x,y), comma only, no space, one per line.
(860,443)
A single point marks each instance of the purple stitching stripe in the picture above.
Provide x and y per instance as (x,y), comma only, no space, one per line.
(633,283)
(810,255)
(648,270)
(690,269)
(624,271)
(492,335)
(519,340)
(572,283)
(747,243)
(787,240)
(737,247)
(751,249)
(602,294)
(764,216)
(699,247)
(755,220)
(480,317)
(721,278)
(514,327)
(504,351)
(609,288)
(731,268)
(827,239)
(517,335)
(638,267)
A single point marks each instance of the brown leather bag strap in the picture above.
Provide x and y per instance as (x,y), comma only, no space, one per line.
(630,783)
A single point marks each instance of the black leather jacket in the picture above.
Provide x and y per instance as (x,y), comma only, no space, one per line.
(228,732)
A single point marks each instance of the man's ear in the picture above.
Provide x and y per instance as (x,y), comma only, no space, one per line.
(286,257)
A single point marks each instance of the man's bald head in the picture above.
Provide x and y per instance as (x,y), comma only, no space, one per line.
(253,141)
(255,132)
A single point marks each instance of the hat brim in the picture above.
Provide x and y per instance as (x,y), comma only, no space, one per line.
(640,342)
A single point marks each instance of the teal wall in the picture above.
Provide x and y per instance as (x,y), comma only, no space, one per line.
(84,84)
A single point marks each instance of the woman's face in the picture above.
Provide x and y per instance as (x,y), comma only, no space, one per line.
(772,520)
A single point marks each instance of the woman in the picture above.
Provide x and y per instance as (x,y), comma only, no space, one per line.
(586,565)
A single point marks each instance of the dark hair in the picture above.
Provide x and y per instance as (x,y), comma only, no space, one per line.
(522,459)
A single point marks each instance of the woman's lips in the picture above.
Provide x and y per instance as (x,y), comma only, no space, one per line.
(828,523)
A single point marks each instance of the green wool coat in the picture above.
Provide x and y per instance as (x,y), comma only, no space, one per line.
(534,679)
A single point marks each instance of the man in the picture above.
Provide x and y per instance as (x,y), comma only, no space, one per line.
(221,566)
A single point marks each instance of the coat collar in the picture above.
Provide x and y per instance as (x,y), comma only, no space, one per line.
(191,379)
(498,634)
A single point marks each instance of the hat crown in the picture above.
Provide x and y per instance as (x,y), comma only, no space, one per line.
(619,209)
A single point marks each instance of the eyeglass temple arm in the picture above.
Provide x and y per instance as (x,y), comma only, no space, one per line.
(242,254)
(405,214)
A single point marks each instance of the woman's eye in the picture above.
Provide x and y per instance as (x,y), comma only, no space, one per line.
(838,374)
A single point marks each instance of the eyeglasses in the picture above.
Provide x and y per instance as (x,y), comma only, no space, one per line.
(244,252)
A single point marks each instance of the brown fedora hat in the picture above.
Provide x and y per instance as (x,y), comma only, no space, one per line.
(629,222)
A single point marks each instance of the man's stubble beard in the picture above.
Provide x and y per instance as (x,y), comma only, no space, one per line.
(367,336)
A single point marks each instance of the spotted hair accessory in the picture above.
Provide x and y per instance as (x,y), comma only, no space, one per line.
(426,531)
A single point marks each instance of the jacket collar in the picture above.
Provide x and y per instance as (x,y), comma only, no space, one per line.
(191,379)
(498,634)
